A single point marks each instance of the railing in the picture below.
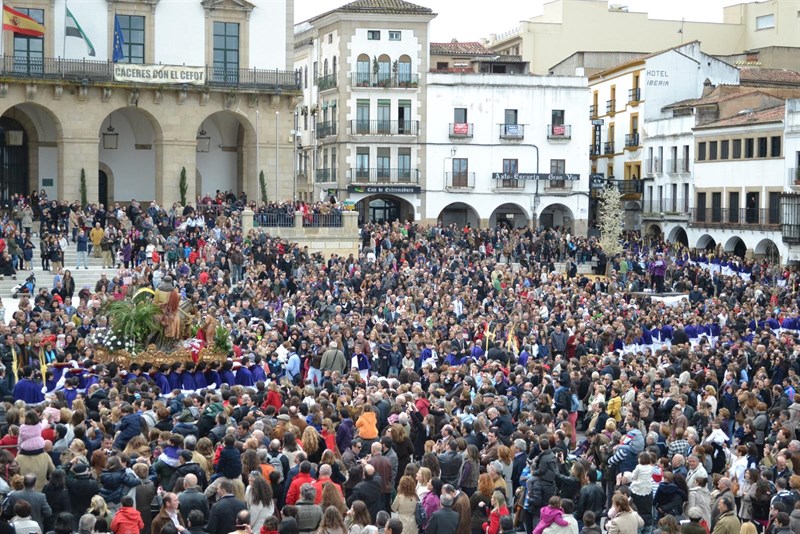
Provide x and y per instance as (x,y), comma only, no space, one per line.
(671,168)
(558,185)
(594,150)
(659,165)
(274,220)
(326,82)
(631,140)
(461,130)
(630,187)
(610,106)
(559,131)
(460,180)
(81,70)
(648,167)
(634,95)
(735,217)
(593,111)
(608,147)
(665,205)
(792,176)
(323,220)
(325,129)
(682,165)
(790,218)
(512,131)
(384,176)
(369,79)
(380,127)
(508,183)
(325,175)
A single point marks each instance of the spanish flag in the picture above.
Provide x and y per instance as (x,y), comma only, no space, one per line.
(20,23)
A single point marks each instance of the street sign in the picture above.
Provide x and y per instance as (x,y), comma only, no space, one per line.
(598,122)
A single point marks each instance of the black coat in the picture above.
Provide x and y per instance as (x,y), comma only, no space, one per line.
(369,491)
(222,519)
(193,499)
(443,521)
(81,490)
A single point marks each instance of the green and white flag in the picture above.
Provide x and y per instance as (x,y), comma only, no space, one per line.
(74,29)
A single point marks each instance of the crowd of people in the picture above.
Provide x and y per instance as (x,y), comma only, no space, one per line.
(445,380)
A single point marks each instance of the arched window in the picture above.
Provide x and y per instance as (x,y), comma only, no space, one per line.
(325,67)
(384,69)
(404,70)
(362,71)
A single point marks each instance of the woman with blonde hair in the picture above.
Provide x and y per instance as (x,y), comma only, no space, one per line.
(313,444)
(205,448)
(423,478)
(405,504)
(99,509)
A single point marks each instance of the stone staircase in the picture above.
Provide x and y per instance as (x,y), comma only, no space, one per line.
(83,277)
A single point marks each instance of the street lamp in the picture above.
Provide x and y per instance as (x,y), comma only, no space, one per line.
(277,116)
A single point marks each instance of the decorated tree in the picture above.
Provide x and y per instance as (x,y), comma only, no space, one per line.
(262,182)
(183,186)
(611,219)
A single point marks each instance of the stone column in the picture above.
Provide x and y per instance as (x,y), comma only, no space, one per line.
(298,219)
(247,221)
(76,153)
(175,155)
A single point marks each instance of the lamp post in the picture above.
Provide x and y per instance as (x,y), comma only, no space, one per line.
(277,116)
(258,162)
(536,194)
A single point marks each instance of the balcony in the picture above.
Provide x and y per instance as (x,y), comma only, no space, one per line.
(461,130)
(790,218)
(559,131)
(384,176)
(379,127)
(80,70)
(324,129)
(658,165)
(508,184)
(631,140)
(666,208)
(630,187)
(556,186)
(634,95)
(649,167)
(325,175)
(594,151)
(752,218)
(608,147)
(460,180)
(326,82)
(367,79)
(672,166)
(611,106)
(593,111)
(512,131)
(792,177)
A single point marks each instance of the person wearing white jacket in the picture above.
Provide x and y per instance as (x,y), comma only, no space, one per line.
(641,486)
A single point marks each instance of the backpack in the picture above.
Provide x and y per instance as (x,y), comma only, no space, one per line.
(275,462)
(420,515)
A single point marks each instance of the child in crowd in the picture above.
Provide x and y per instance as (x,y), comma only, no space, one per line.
(552,513)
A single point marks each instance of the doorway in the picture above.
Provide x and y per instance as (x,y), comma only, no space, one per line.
(102,188)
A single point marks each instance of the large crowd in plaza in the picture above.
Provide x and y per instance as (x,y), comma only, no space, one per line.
(444,380)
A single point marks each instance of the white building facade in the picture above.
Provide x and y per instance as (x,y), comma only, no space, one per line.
(507,150)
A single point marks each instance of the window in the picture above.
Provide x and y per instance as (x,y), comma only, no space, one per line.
(510,166)
(460,176)
(384,69)
(442,65)
(362,163)
(712,150)
(733,207)
(762,147)
(724,149)
(765,22)
(685,167)
(384,164)
(132,27)
(749,148)
(649,163)
(701,151)
(737,148)
(362,116)
(716,207)
(305,77)
(673,154)
(373,35)
(557,117)
(384,117)
(29,51)
(775,146)
(330,38)
(460,115)
(660,160)
(362,71)
(333,164)
(394,35)
(701,207)
(316,71)
(404,70)
(226,52)
(557,166)
(404,125)
(404,164)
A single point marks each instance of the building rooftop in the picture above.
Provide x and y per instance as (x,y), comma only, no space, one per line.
(744,117)
(383,7)
(639,59)
(753,75)
(714,98)
(454,48)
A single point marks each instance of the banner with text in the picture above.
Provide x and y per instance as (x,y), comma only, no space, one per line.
(159,74)
(535,176)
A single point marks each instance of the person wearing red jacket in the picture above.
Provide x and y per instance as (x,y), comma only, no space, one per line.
(127,520)
(274,397)
(499,509)
(303,477)
(325,472)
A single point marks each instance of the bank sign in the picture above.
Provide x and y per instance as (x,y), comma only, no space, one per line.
(390,189)
(535,176)
(159,74)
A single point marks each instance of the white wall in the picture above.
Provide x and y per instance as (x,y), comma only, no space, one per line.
(268,35)
(133,170)
(181,34)
(48,168)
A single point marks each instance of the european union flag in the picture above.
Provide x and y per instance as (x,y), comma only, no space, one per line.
(118,41)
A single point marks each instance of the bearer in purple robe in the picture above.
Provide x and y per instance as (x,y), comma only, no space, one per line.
(28,389)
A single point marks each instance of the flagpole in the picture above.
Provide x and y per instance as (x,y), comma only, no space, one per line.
(64,48)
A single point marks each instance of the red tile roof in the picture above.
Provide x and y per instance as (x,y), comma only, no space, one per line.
(472,48)
(761,116)
(778,76)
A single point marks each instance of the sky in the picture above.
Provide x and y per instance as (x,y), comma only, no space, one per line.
(469,20)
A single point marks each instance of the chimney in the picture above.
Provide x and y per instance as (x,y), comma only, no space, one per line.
(708,88)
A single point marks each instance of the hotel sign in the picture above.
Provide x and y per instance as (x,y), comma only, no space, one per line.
(159,74)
